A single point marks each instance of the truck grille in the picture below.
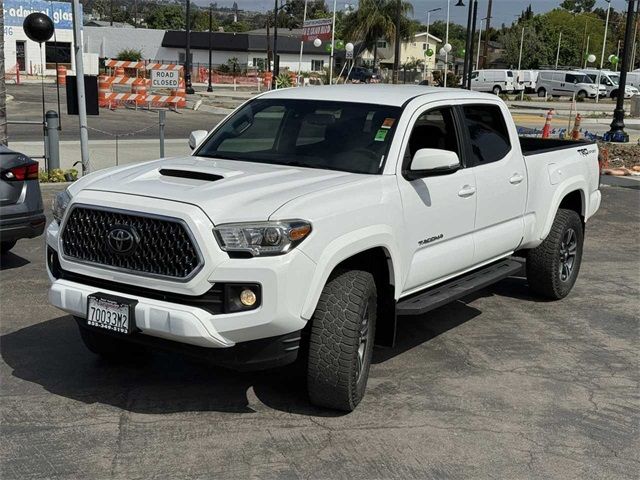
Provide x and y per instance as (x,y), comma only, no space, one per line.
(148,245)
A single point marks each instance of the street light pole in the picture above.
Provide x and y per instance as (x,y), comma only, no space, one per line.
(479,44)
(617,133)
(471,35)
(187,64)
(210,87)
(446,42)
(467,45)
(333,42)
(424,75)
(558,54)
(276,66)
(397,50)
(604,45)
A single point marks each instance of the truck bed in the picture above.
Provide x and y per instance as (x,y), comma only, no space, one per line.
(533,146)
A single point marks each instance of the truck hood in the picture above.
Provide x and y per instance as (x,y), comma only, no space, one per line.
(226,190)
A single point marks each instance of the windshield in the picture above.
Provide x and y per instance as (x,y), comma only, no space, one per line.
(615,79)
(583,79)
(351,137)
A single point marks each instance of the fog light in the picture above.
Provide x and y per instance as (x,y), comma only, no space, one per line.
(247,297)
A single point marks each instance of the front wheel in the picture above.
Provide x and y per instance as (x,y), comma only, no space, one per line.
(341,340)
(497,90)
(553,266)
(581,95)
(542,93)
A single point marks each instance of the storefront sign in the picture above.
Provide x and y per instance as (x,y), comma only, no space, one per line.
(15,11)
(320,28)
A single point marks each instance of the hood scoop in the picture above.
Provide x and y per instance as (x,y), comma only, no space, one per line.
(191,174)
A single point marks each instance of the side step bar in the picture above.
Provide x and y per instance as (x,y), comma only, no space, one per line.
(457,288)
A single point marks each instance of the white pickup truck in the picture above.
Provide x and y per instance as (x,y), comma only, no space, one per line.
(308,219)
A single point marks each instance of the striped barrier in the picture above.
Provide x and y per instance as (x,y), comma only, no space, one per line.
(111,63)
(164,66)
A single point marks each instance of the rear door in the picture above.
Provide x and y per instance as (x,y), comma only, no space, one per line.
(501,180)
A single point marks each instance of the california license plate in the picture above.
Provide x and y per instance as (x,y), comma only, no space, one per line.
(109,312)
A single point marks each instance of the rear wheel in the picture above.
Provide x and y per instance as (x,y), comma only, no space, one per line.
(497,90)
(6,246)
(553,266)
(581,95)
(341,340)
(542,92)
(107,346)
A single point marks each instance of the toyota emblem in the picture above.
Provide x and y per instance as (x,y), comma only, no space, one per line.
(122,239)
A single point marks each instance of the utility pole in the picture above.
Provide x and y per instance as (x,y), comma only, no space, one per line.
(82,105)
(604,45)
(485,54)
(558,53)
(467,44)
(397,47)
(209,87)
(333,42)
(187,64)
(276,67)
(617,133)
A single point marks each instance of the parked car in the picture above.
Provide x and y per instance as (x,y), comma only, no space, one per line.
(528,79)
(611,82)
(568,83)
(360,75)
(495,81)
(21,211)
(307,219)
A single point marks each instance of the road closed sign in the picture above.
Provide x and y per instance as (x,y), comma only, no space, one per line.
(165,78)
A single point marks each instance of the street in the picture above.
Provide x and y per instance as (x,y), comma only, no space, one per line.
(499,385)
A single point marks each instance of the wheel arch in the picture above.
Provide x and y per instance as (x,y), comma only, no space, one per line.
(572,197)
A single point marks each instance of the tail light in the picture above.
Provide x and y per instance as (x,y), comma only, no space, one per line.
(23,172)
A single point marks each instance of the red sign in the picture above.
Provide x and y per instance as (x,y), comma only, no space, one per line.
(320,28)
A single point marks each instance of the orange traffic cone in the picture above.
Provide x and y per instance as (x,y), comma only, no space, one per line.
(575,134)
(546,131)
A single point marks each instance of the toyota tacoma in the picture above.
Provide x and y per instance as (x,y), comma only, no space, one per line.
(309,219)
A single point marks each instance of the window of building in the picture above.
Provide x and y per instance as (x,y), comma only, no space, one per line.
(57,52)
(488,133)
(317,65)
(182,58)
(425,46)
(381,44)
(260,63)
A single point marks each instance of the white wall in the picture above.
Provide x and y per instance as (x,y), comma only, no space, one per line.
(35,58)
(117,39)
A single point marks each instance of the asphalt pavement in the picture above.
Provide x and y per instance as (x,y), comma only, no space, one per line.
(498,385)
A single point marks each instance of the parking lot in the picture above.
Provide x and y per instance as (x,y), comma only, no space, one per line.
(500,385)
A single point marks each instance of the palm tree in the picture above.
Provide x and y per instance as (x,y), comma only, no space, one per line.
(375,20)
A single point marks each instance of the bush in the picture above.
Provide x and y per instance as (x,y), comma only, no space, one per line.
(130,54)
(58,175)
(283,80)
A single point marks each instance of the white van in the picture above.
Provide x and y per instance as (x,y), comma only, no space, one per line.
(496,81)
(633,78)
(610,81)
(528,79)
(566,83)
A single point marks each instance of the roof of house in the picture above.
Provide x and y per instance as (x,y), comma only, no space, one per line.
(239,42)
(381,94)
(105,23)
(438,40)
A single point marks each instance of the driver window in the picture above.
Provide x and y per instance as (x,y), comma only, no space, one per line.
(433,129)
(253,134)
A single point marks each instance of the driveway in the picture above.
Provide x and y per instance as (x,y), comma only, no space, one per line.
(500,385)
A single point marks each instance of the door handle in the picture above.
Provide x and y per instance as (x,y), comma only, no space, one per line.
(516,179)
(467,191)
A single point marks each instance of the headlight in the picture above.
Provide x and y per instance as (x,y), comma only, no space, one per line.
(263,238)
(60,204)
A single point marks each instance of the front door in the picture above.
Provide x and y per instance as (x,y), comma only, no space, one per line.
(439,211)
(21,57)
(501,180)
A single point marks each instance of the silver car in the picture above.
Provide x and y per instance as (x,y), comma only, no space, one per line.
(21,211)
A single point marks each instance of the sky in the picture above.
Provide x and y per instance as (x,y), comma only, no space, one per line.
(504,11)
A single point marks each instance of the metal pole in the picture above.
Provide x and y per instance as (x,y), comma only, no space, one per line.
(187,64)
(472,34)
(604,45)
(586,53)
(485,53)
(304,19)
(479,44)
(618,55)
(53,137)
(333,38)
(161,122)
(633,56)
(82,106)
(424,74)
(520,60)
(467,46)
(276,66)
(446,42)
(558,54)
(209,87)
(617,133)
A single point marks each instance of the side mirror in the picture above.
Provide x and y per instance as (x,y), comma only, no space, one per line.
(432,161)
(196,138)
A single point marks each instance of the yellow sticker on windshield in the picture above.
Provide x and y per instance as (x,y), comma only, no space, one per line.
(381,135)
(388,123)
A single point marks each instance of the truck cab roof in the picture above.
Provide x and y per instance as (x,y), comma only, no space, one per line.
(392,95)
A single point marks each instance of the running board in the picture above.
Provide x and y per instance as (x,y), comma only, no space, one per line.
(457,288)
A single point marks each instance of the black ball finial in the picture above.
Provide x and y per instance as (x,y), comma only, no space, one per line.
(38,27)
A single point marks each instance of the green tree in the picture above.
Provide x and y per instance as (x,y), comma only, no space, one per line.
(130,54)
(578,6)
(166,17)
(376,20)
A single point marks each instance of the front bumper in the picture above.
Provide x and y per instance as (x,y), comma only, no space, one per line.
(27,226)
(169,311)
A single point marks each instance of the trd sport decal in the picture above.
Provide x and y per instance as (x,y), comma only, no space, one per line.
(424,242)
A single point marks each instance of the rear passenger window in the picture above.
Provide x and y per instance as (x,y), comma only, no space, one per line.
(488,133)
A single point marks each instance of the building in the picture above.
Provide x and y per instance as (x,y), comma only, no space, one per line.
(28,56)
(410,51)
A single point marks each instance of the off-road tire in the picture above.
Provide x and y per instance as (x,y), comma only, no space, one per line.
(6,246)
(544,262)
(332,371)
(107,346)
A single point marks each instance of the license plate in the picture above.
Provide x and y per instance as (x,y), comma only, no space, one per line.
(112,313)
